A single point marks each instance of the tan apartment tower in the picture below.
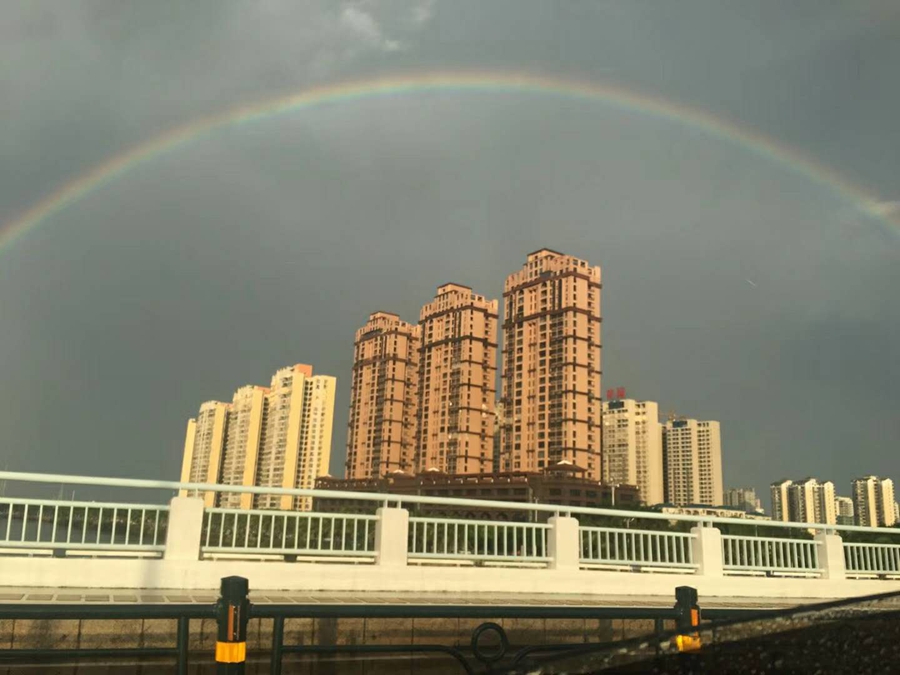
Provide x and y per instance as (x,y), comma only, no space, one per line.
(804,501)
(632,447)
(266,437)
(780,500)
(295,443)
(457,382)
(381,434)
(552,365)
(203,445)
(692,452)
(873,501)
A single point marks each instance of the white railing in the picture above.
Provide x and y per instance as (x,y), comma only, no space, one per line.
(872,559)
(607,546)
(400,533)
(770,555)
(473,540)
(54,525)
(261,532)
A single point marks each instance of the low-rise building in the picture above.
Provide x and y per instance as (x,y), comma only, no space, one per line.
(561,483)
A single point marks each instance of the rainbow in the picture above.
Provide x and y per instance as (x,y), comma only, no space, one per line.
(488,82)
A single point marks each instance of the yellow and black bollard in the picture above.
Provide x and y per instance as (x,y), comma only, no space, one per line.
(232,615)
(687,619)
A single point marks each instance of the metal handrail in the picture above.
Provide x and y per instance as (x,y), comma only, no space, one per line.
(30,477)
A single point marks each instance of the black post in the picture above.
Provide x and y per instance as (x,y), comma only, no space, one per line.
(277,645)
(232,615)
(184,635)
(687,618)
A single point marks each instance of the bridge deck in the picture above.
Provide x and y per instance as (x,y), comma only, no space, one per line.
(395,600)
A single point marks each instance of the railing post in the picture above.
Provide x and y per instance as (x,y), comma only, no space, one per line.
(831,555)
(687,619)
(184,528)
(564,547)
(232,615)
(706,547)
(391,537)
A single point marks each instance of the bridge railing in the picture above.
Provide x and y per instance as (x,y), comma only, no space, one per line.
(867,560)
(257,533)
(36,526)
(771,555)
(452,539)
(616,547)
(389,529)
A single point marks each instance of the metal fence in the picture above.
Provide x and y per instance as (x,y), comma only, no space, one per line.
(604,546)
(51,525)
(770,555)
(872,559)
(259,532)
(453,539)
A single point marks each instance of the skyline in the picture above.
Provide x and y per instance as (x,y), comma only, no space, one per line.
(267,243)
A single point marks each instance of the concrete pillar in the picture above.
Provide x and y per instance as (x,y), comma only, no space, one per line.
(563,543)
(706,547)
(391,537)
(831,555)
(184,529)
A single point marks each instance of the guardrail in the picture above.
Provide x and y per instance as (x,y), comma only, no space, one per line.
(397,530)
(606,546)
(477,541)
(260,532)
(55,525)
(770,555)
(872,559)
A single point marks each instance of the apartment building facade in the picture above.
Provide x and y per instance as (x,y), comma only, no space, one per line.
(873,501)
(632,447)
(692,455)
(278,436)
(381,434)
(457,382)
(551,376)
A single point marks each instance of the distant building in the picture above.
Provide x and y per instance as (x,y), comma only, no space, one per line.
(457,382)
(278,436)
(804,501)
(744,499)
(552,364)
(381,433)
(873,501)
(562,484)
(710,511)
(632,447)
(780,500)
(843,507)
(692,455)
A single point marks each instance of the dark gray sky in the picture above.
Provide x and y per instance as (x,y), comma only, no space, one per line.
(268,244)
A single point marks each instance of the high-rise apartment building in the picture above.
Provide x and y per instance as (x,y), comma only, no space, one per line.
(266,437)
(843,507)
(743,498)
(780,502)
(295,442)
(203,445)
(804,501)
(457,382)
(873,501)
(692,455)
(552,365)
(810,501)
(381,434)
(632,447)
(242,431)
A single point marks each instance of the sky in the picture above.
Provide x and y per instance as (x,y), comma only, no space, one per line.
(736,287)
